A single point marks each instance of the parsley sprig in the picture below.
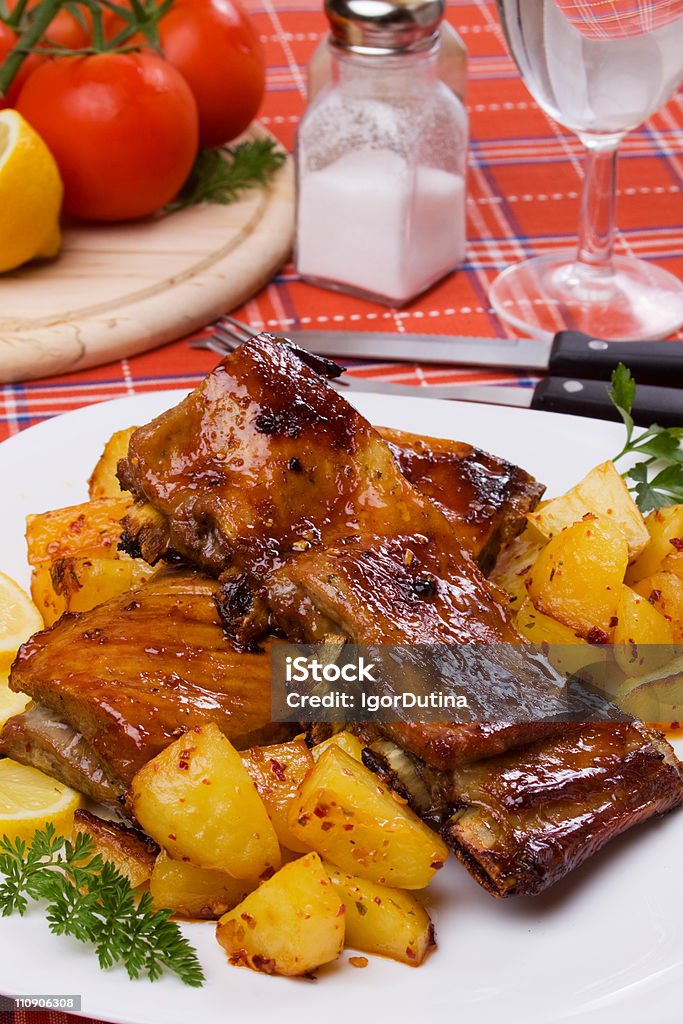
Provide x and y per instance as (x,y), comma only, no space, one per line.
(91,901)
(221,175)
(658,477)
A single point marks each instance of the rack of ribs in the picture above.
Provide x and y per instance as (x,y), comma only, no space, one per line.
(313,524)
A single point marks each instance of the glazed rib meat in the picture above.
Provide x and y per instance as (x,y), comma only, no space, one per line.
(265,462)
(484,497)
(131,675)
(522,820)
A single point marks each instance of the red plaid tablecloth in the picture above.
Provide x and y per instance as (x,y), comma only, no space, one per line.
(524,184)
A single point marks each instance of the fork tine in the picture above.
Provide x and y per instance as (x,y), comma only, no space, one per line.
(240,327)
(221,346)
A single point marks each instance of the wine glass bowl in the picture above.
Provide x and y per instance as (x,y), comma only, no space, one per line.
(600,68)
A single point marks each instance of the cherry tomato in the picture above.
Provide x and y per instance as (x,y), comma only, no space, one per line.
(122,127)
(215,46)
(7,40)
(65,29)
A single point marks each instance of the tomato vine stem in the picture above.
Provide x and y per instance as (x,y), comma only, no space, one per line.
(44,14)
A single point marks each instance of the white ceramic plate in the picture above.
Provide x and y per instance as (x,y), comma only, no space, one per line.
(605,945)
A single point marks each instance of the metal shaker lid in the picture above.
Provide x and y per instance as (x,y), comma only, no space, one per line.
(385,26)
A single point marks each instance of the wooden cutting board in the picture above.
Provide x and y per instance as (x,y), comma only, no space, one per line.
(120,289)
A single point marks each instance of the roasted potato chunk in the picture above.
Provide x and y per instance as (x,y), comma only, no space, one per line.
(602,492)
(132,853)
(514,564)
(567,651)
(290,925)
(346,814)
(78,584)
(665,533)
(75,557)
(103,482)
(578,576)
(664,591)
(277,771)
(197,800)
(643,638)
(192,892)
(344,739)
(656,697)
(382,920)
(93,528)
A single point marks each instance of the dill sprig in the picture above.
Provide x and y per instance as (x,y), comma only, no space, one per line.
(90,900)
(657,479)
(222,175)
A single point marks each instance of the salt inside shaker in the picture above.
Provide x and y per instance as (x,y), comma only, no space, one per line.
(381,157)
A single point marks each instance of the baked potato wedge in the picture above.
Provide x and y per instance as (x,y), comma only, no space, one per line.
(276,772)
(290,925)
(78,584)
(192,892)
(197,800)
(348,816)
(103,481)
(381,920)
(664,591)
(92,528)
(602,492)
(665,537)
(643,638)
(344,739)
(132,853)
(514,564)
(578,576)
(75,558)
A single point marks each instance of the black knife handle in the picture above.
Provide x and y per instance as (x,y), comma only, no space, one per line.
(589,398)
(650,362)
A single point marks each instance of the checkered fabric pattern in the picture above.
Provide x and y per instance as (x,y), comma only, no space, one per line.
(619,19)
(524,185)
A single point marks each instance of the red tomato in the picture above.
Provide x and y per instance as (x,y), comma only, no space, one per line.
(122,128)
(215,46)
(65,29)
(7,40)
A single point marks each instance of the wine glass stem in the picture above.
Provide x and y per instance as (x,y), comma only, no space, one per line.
(598,200)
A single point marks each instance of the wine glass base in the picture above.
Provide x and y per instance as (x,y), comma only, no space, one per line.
(546,294)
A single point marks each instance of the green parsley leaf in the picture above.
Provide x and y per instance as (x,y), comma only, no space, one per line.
(91,901)
(623,393)
(222,175)
(658,478)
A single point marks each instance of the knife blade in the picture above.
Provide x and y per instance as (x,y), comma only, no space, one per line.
(570,353)
(554,394)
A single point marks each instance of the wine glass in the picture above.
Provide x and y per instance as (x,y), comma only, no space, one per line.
(599,67)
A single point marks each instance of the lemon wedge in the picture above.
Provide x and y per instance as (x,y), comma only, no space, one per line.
(30,194)
(11,703)
(29,800)
(19,617)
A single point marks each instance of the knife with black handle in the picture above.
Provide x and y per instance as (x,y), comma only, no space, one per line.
(554,394)
(570,353)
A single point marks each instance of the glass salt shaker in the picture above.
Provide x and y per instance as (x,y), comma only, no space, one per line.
(381,157)
(451,64)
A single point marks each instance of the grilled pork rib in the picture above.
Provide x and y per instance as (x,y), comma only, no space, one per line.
(267,479)
(132,675)
(264,462)
(523,819)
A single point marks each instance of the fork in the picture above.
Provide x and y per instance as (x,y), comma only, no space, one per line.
(225,339)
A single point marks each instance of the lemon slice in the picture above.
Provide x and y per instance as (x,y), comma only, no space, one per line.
(29,800)
(19,617)
(11,703)
(30,194)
